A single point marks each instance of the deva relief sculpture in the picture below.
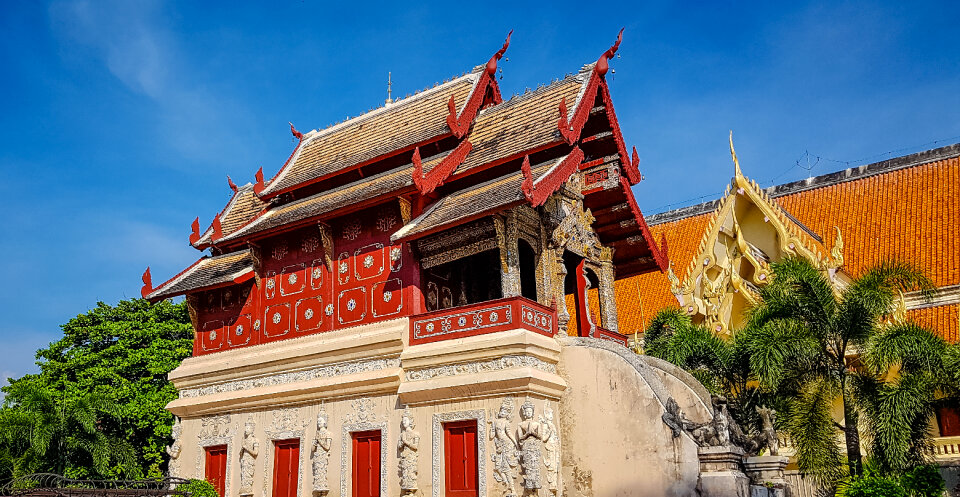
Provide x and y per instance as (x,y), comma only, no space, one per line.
(408,446)
(321,455)
(248,457)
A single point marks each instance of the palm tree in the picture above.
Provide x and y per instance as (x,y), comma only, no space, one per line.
(803,339)
(722,366)
(40,432)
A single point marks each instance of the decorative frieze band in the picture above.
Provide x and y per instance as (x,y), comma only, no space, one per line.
(504,362)
(327,371)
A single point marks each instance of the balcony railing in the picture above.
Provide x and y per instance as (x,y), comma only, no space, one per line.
(945,448)
(485,317)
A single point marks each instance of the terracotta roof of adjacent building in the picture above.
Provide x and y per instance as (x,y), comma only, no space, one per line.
(907,208)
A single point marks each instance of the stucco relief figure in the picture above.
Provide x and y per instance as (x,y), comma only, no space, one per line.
(505,447)
(530,434)
(552,448)
(408,446)
(173,450)
(248,456)
(321,455)
(769,416)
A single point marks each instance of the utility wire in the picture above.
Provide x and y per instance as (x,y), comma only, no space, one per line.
(804,162)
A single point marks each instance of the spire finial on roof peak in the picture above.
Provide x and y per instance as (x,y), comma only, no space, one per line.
(389,88)
(736,162)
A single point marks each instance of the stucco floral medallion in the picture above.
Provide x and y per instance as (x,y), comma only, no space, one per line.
(387,295)
(368,261)
(292,278)
(308,314)
(329,310)
(276,318)
(351,304)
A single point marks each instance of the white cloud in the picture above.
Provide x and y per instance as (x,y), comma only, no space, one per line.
(133,41)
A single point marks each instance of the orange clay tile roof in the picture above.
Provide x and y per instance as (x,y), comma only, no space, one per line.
(906,208)
(403,124)
(944,319)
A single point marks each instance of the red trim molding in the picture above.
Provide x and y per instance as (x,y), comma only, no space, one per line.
(460,123)
(536,192)
(480,319)
(605,334)
(659,253)
(427,183)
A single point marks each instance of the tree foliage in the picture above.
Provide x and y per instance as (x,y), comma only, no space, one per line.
(722,366)
(107,374)
(811,344)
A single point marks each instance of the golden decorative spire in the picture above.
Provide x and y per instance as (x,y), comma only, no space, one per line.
(733,153)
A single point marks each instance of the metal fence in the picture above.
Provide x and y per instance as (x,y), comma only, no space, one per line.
(51,485)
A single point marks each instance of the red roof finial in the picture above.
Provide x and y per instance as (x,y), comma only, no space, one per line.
(233,186)
(298,135)
(217,229)
(527,186)
(147,287)
(602,64)
(417,169)
(492,63)
(258,186)
(195,231)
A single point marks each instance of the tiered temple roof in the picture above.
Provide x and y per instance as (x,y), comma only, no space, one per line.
(455,152)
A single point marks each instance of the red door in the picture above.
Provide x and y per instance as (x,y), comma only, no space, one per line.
(366,464)
(215,469)
(948,418)
(285,467)
(460,458)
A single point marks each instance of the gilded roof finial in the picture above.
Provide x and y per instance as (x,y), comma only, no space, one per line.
(389,88)
(733,153)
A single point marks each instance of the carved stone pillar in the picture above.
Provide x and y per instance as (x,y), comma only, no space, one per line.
(507,234)
(608,300)
(721,473)
(560,278)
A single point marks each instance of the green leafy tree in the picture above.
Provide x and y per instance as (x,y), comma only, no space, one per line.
(119,355)
(802,338)
(721,365)
(51,432)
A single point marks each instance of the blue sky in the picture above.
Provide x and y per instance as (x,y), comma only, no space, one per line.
(120,120)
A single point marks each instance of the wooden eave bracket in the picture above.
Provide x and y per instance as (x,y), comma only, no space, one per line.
(427,183)
(537,192)
(459,123)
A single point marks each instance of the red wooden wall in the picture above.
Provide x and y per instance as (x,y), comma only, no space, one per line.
(215,467)
(372,280)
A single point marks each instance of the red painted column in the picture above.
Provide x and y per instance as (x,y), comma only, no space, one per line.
(584,323)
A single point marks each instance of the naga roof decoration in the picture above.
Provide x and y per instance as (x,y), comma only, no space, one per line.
(459,122)
(206,273)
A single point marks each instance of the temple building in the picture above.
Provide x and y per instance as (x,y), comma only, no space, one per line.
(384,315)
(906,208)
